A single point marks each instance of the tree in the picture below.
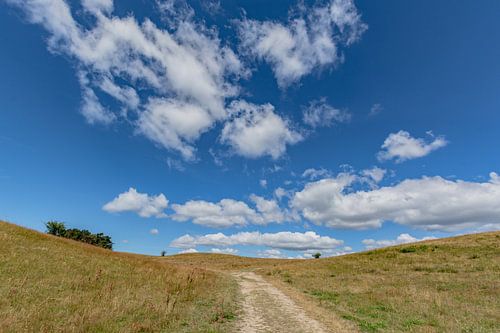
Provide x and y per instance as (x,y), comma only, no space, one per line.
(85,236)
(163,253)
(56,228)
(317,255)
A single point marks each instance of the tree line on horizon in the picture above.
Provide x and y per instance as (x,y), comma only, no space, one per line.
(59,229)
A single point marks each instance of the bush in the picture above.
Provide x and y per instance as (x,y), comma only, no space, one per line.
(59,229)
(55,228)
(317,255)
(408,249)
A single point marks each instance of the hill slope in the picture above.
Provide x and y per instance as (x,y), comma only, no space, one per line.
(50,284)
(444,285)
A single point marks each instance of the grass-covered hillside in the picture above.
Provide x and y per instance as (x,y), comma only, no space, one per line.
(51,284)
(445,285)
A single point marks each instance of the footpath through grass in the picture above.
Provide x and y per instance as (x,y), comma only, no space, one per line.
(445,285)
(50,284)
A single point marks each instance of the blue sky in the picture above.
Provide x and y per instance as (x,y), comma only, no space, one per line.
(250,127)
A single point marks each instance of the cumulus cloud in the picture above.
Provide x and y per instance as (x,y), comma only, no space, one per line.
(188,251)
(141,203)
(263,183)
(256,131)
(401,239)
(269,210)
(281,240)
(401,146)
(226,250)
(271,253)
(225,213)
(309,254)
(312,38)
(172,123)
(373,176)
(320,114)
(229,212)
(154,231)
(185,72)
(431,203)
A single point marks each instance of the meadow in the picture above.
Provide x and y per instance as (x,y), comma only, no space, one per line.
(52,284)
(444,285)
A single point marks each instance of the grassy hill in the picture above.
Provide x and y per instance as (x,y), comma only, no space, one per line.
(445,285)
(51,284)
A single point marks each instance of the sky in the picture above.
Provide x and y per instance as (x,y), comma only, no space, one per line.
(257,128)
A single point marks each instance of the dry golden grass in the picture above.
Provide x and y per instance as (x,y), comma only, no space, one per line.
(50,284)
(446,285)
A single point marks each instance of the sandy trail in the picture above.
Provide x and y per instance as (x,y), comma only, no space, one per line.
(267,309)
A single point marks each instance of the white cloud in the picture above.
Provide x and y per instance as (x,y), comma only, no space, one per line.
(93,111)
(174,124)
(401,146)
(320,114)
(226,250)
(401,239)
(375,109)
(373,176)
(225,213)
(271,253)
(188,251)
(431,203)
(229,212)
(280,193)
(263,183)
(327,252)
(140,203)
(488,227)
(212,7)
(97,6)
(186,72)
(269,210)
(281,240)
(154,231)
(312,39)
(313,173)
(256,131)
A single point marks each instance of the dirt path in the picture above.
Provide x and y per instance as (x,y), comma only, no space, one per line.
(267,309)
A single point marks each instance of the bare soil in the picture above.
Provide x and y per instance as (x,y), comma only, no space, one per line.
(267,309)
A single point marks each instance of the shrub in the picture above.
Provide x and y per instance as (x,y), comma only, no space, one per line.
(55,228)
(317,255)
(408,249)
(59,229)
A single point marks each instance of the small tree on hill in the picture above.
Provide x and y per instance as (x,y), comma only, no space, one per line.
(317,255)
(163,253)
(56,228)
